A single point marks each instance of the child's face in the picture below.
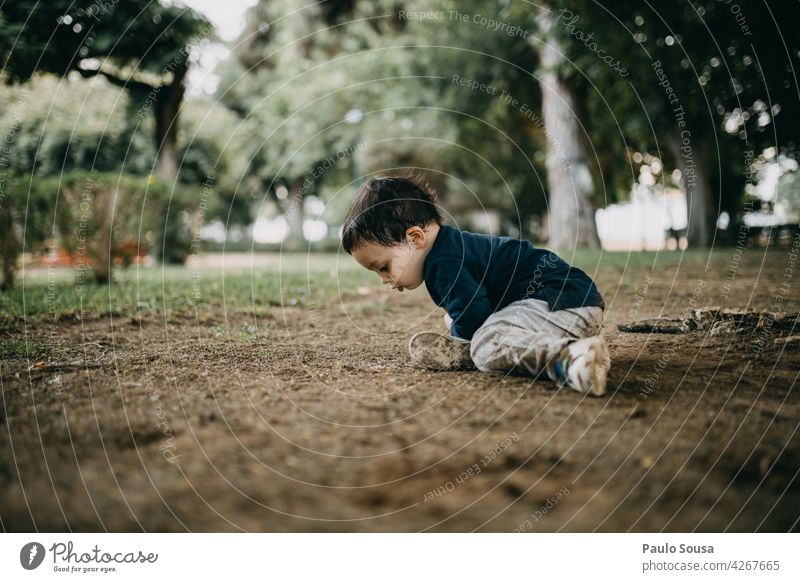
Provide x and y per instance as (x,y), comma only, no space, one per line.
(398,265)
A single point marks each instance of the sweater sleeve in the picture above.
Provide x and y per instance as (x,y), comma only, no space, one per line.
(463,297)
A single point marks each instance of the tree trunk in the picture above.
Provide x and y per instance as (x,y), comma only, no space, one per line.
(295,215)
(167,109)
(569,177)
(697,188)
(104,244)
(10,248)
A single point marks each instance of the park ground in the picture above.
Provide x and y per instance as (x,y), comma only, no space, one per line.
(279,396)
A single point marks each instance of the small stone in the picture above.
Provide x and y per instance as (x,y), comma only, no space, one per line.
(637,412)
(722,328)
(764,463)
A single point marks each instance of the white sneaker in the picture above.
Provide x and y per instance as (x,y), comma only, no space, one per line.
(440,352)
(582,366)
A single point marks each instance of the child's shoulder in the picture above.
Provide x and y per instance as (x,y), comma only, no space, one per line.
(456,235)
(455,247)
(483,242)
(458,246)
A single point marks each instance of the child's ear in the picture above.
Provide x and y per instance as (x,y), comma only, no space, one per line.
(416,236)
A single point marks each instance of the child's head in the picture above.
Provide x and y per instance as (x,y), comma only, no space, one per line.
(390,228)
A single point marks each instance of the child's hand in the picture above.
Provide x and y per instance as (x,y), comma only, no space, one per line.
(448,321)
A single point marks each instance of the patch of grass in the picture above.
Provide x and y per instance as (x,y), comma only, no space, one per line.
(692,260)
(295,280)
(290,281)
(243,332)
(20,349)
(637,261)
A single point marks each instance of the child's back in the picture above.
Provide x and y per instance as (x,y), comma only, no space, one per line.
(475,275)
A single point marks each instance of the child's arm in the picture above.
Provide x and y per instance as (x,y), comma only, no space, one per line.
(463,296)
(448,321)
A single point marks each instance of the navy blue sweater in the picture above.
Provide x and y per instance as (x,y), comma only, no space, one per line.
(473,275)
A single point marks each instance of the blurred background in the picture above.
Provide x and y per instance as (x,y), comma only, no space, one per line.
(148,131)
(243,373)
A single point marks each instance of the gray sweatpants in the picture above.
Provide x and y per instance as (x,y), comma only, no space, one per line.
(525,334)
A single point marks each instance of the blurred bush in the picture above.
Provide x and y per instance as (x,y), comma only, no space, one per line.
(98,219)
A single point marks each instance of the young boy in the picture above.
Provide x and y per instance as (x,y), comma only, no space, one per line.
(509,307)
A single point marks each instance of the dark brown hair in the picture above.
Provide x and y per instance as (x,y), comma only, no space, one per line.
(385,207)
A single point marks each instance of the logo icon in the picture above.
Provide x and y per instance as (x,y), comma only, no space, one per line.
(31,555)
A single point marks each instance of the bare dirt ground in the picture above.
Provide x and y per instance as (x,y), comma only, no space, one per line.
(321,423)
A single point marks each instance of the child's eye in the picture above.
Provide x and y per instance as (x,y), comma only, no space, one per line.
(384,268)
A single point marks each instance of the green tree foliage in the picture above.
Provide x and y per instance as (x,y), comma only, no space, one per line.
(727,66)
(55,126)
(301,69)
(484,91)
(140,45)
(65,125)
